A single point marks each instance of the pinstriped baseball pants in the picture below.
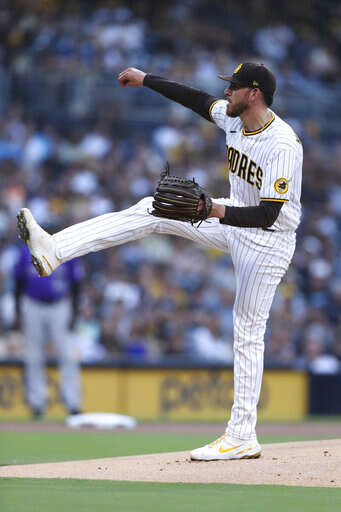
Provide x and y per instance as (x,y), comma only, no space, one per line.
(260,261)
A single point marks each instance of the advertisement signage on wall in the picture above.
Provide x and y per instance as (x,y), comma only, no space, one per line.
(177,394)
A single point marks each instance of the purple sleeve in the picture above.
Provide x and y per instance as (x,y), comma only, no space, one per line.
(75,270)
(22,263)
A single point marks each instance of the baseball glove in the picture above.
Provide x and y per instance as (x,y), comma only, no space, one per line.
(180,199)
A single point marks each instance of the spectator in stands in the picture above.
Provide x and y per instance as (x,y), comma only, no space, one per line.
(73,145)
(316,358)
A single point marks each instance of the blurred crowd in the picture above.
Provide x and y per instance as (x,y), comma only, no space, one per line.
(73,145)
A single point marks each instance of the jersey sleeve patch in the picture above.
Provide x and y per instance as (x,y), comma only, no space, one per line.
(281,185)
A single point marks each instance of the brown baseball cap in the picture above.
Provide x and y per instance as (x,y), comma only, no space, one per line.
(249,74)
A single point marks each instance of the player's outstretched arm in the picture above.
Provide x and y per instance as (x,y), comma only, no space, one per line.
(198,101)
(131,76)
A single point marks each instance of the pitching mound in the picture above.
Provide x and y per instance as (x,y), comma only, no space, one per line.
(309,463)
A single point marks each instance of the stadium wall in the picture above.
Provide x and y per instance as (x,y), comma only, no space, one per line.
(155,393)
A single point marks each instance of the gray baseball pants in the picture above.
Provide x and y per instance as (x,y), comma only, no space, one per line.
(42,322)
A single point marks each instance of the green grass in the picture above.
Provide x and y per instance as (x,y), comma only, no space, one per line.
(31,495)
(36,447)
(56,495)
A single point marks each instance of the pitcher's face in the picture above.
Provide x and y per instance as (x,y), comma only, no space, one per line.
(238,100)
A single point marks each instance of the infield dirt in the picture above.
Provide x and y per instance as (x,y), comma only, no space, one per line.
(308,463)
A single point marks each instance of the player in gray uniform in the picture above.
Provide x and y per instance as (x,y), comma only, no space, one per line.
(256,225)
(47,309)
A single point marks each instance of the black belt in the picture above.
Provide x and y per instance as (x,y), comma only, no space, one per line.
(46,300)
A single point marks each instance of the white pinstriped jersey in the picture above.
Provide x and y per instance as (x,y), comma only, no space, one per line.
(264,165)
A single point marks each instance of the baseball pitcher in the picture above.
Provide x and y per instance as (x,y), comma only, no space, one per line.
(256,224)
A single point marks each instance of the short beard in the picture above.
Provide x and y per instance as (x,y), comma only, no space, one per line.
(237,109)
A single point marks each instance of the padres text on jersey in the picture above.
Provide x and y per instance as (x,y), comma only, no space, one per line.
(264,165)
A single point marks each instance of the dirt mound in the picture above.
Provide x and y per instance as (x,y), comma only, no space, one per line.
(309,463)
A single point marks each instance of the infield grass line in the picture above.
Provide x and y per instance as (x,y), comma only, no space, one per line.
(39,447)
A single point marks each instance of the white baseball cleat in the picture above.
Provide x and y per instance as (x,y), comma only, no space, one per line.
(227,448)
(39,242)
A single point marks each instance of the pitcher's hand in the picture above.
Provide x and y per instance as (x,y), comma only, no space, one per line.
(132,77)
